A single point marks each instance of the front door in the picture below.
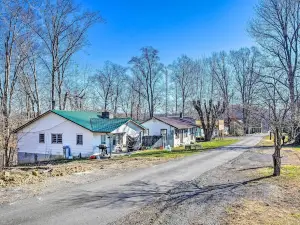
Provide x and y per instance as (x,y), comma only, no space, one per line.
(181,136)
(163,133)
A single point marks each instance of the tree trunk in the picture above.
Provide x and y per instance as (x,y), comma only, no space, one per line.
(276,155)
(52,89)
(176,99)
(6,140)
(277,163)
(207,135)
(65,101)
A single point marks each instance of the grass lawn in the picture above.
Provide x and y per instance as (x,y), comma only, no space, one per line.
(266,142)
(181,152)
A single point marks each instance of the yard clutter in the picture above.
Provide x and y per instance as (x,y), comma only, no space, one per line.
(193,147)
(17,176)
(182,151)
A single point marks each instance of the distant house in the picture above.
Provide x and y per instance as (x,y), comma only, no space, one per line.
(254,124)
(175,130)
(45,136)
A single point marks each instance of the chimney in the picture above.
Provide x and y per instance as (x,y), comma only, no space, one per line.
(181,115)
(105,115)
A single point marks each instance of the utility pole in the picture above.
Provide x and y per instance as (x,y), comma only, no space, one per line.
(166,73)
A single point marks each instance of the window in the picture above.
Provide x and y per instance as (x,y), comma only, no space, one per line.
(41,138)
(114,139)
(56,138)
(163,132)
(103,139)
(186,132)
(79,139)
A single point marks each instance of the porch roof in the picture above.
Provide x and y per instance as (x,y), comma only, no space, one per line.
(178,122)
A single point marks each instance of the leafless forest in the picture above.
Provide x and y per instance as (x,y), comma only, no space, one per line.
(38,41)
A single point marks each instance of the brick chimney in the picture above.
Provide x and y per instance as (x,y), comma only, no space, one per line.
(105,115)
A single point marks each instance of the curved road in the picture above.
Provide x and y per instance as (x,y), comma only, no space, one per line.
(108,200)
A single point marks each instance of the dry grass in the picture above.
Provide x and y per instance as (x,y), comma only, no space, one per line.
(31,175)
(281,207)
(250,212)
(266,142)
(19,176)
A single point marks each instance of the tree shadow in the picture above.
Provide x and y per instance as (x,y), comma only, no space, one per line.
(241,148)
(255,168)
(140,193)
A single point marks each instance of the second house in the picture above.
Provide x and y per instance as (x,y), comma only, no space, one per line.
(175,130)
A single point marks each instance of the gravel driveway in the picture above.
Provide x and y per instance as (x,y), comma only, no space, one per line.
(185,191)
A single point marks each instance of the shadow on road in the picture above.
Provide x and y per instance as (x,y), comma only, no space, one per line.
(241,148)
(141,193)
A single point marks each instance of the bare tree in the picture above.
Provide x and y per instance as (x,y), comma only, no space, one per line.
(14,36)
(118,86)
(275,96)
(166,73)
(276,29)
(148,71)
(183,71)
(29,80)
(127,98)
(246,70)
(110,79)
(221,74)
(209,114)
(104,80)
(62,30)
(199,74)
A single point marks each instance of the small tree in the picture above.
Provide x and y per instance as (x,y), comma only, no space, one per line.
(209,113)
(276,97)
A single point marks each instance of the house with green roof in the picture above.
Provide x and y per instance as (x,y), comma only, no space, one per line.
(49,135)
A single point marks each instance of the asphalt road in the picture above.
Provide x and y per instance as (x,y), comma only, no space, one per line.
(108,200)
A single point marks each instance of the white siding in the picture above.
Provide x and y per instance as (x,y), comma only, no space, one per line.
(129,128)
(28,138)
(154,126)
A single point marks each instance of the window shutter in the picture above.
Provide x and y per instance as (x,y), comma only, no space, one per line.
(41,138)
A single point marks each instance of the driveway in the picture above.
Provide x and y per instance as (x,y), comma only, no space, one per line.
(109,200)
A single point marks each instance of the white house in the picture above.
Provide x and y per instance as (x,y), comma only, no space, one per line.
(176,130)
(45,136)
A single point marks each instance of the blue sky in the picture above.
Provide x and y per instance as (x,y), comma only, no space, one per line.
(192,27)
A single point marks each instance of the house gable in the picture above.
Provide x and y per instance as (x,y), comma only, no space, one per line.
(28,137)
(155,126)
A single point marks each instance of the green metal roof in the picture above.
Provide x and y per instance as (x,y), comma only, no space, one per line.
(92,120)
